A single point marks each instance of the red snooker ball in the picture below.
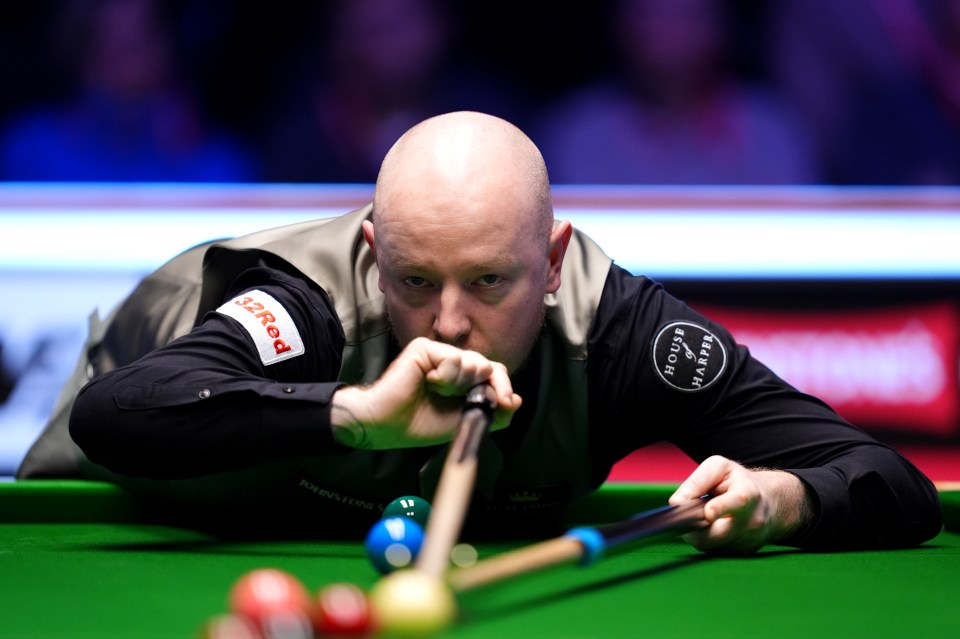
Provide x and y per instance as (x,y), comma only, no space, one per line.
(343,610)
(268,593)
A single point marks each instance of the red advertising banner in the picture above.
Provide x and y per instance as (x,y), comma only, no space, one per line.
(892,368)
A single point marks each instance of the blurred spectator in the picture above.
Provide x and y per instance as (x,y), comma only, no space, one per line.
(675,113)
(382,66)
(906,129)
(27,74)
(131,118)
(880,82)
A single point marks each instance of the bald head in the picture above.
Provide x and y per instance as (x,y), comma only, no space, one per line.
(463,157)
(463,236)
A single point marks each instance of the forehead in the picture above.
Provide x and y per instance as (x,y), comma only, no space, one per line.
(458,198)
(427,238)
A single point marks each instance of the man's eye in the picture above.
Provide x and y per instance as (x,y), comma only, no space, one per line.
(415,281)
(489,280)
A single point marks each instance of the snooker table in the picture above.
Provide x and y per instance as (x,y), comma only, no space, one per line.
(80,559)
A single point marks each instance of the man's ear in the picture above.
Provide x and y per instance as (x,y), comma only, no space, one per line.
(370,237)
(559,239)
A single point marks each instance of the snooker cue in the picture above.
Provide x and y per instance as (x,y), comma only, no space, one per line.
(585,545)
(456,482)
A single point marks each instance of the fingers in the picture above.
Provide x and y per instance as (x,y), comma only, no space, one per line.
(736,515)
(712,476)
(730,484)
(458,372)
(508,402)
(418,400)
(450,371)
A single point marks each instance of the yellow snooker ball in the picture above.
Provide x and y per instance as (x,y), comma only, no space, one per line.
(408,603)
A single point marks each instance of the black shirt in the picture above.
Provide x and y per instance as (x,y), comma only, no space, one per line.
(206,404)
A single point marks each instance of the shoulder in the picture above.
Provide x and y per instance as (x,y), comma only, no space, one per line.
(642,327)
(572,308)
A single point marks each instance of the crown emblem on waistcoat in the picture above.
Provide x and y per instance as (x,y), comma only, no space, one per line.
(525,496)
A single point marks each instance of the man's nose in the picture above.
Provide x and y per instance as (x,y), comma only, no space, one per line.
(451,324)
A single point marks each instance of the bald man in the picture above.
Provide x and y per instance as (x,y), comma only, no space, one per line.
(315,371)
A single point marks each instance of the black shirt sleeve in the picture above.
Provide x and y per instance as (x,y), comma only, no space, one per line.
(206,402)
(865,493)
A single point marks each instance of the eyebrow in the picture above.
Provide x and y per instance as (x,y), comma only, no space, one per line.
(499,263)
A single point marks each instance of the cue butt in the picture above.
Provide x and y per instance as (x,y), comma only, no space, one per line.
(456,483)
(518,562)
(446,517)
(585,545)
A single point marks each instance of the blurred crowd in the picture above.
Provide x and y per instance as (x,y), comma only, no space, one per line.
(613,91)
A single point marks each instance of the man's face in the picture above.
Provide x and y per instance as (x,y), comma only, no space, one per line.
(469,273)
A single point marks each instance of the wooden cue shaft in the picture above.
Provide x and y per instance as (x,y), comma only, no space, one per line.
(552,552)
(455,488)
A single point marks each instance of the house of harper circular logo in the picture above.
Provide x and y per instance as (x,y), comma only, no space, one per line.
(688,357)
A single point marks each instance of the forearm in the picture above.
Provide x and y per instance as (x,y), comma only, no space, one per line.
(209,402)
(346,426)
(870,497)
(791,505)
(202,425)
(862,494)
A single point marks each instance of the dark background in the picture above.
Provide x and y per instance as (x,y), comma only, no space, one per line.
(872,83)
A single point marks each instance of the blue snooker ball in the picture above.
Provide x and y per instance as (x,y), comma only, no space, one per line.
(393,543)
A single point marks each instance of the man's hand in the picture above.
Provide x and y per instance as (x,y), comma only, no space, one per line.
(419,398)
(749,508)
